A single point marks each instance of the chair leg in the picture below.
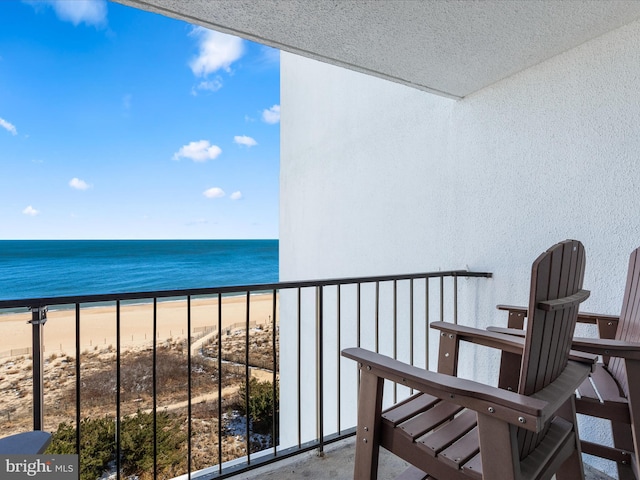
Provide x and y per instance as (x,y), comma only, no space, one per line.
(498,448)
(633,371)
(623,440)
(572,468)
(368,433)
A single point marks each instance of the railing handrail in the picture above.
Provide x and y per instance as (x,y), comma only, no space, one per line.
(106,297)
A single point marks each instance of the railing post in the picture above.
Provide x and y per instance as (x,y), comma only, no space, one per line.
(320,368)
(38,319)
(455,299)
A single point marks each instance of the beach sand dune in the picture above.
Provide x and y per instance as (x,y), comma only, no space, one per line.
(98,324)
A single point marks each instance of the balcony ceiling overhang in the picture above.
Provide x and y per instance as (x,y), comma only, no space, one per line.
(448,47)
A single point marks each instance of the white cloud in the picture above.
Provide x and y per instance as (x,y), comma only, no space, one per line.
(236,195)
(199,151)
(90,12)
(32,212)
(9,127)
(271,115)
(244,140)
(217,51)
(79,184)
(215,192)
(208,85)
(270,56)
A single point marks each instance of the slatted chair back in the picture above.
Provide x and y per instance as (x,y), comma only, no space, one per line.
(556,274)
(629,324)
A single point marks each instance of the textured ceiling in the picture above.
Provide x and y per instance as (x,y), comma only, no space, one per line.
(448,47)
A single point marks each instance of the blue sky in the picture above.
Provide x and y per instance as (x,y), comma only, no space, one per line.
(119,123)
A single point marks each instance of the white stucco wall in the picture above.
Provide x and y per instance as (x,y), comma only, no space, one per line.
(378,178)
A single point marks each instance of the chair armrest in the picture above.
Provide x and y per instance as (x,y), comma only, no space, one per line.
(512,308)
(577,354)
(508,331)
(529,412)
(583,317)
(501,341)
(588,317)
(605,347)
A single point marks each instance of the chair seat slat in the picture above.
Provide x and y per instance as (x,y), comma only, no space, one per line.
(410,407)
(560,433)
(473,468)
(606,385)
(587,392)
(427,421)
(604,401)
(458,453)
(437,441)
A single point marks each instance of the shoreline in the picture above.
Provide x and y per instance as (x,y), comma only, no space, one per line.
(98,323)
(142,301)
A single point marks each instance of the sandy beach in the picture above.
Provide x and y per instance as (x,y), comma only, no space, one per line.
(98,324)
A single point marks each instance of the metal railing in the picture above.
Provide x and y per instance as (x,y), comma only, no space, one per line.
(308,324)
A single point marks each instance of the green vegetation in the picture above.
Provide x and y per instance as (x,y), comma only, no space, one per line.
(136,383)
(98,444)
(261,404)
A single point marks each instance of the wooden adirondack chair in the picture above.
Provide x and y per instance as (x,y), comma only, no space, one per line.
(460,429)
(614,385)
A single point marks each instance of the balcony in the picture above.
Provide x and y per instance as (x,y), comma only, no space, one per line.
(222,382)
(337,463)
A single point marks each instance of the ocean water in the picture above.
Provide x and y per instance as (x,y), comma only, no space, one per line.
(50,268)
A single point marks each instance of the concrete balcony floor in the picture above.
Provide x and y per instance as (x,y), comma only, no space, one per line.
(337,464)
